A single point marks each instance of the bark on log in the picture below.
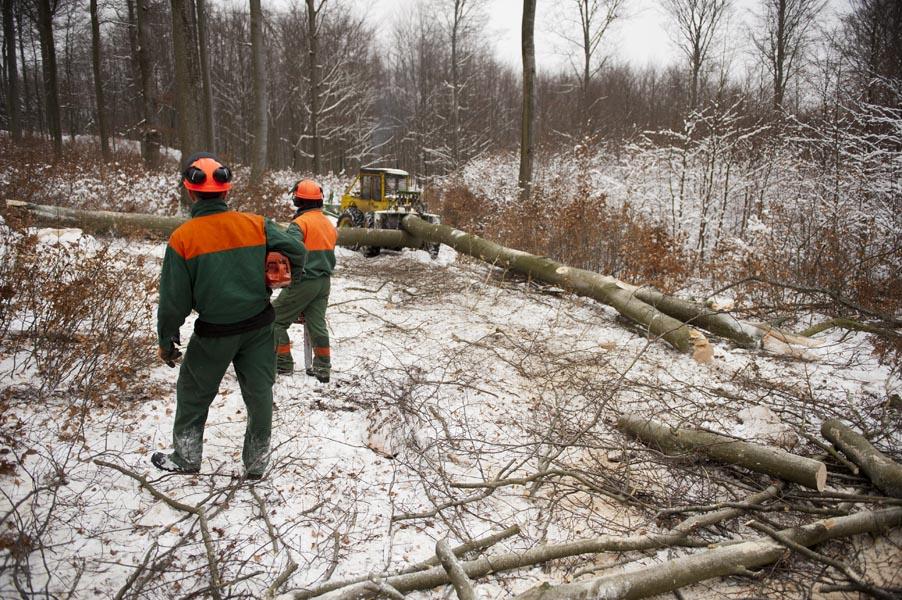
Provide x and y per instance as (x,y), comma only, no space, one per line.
(724,560)
(885,473)
(605,289)
(762,459)
(718,323)
(103,221)
(434,577)
(455,572)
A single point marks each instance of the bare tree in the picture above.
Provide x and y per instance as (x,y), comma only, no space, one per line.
(51,87)
(313,75)
(595,18)
(697,24)
(98,84)
(209,135)
(187,74)
(781,38)
(150,139)
(529,98)
(874,45)
(258,72)
(12,89)
(462,15)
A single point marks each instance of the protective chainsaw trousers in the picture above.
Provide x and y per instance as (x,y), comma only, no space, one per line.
(309,297)
(205,362)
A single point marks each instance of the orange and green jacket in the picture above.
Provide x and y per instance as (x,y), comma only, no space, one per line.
(214,264)
(319,236)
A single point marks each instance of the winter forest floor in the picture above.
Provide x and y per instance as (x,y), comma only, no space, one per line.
(466,402)
(446,373)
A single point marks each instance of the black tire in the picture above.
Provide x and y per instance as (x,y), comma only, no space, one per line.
(354,217)
(369,223)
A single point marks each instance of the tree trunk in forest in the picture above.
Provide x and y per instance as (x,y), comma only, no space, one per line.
(725,560)
(527,114)
(12,89)
(313,74)
(25,95)
(209,132)
(761,459)
(98,84)
(184,50)
(151,138)
(258,73)
(585,283)
(458,7)
(885,473)
(51,87)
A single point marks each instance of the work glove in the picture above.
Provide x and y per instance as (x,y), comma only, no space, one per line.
(170,355)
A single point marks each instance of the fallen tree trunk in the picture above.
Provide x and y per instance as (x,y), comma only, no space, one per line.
(762,459)
(885,473)
(605,289)
(474,569)
(725,560)
(718,323)
(103,221)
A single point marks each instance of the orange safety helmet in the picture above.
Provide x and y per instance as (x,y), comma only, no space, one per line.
(307,189)
(207,174)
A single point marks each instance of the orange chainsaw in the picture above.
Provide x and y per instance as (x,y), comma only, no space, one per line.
(278,270)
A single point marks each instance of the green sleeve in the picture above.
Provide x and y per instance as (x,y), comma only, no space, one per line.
(176,297)
(291,246)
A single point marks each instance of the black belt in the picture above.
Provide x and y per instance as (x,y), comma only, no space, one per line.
(204,329)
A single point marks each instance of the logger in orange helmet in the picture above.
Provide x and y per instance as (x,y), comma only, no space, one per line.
(214,264)
(309,296)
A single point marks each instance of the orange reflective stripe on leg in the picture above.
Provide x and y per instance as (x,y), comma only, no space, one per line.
(322,351)
(283,349)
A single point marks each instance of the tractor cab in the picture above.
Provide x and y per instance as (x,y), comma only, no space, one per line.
(377,189)
(380,198)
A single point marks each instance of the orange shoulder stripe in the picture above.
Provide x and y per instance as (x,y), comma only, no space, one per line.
(217,233)
(319,232)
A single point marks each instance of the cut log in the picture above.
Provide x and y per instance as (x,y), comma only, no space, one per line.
(717,322)
(103,221)
(434,577)
(762,459)
(851,325)
(724,560)
(99,221)
(456,574)
(607,290)
(885,473)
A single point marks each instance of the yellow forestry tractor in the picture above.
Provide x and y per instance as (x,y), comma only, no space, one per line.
(380,198)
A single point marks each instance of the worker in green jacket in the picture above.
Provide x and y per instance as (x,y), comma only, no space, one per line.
(308,297)
(214,264)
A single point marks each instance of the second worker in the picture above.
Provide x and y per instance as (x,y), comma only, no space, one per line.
(310,296)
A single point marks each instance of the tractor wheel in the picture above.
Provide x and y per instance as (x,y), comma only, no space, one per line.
(354,217)
(369,223)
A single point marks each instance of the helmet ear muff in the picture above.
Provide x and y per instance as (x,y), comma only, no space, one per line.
(194,175)
(222,174)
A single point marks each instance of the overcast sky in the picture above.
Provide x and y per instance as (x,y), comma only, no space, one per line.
(641,36)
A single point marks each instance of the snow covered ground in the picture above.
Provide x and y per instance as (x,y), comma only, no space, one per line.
(446,372)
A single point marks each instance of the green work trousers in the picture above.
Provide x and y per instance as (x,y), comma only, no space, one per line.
(203,367)
(309,297)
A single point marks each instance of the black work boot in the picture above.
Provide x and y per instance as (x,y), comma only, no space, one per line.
(164,462)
